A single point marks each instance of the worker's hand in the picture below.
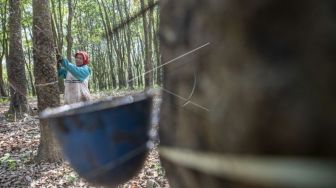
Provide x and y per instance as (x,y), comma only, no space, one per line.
(64,62)
(59,56)
(59,60)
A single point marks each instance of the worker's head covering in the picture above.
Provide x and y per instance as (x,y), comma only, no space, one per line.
(84,55)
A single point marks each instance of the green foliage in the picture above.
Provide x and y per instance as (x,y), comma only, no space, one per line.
(4,99)
(158,168)
(4,158)
(10,163)
(71,178)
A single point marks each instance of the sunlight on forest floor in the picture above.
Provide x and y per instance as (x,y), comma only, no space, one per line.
(19,143)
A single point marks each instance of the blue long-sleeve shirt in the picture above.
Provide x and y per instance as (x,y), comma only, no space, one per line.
(81,73)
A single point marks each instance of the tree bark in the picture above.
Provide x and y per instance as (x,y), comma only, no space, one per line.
(267,79)
(57,23)
(150,33)
(159,71)
(141,61)
(128,38)
(4,47)
(148,48)
(107,28)
(60,29)
(57,38)
(2,84)
(29,64)
(69,29)
(45,72)
(118,49)
(15,62)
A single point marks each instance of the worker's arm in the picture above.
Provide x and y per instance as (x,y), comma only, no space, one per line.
(81,73)
(62,73)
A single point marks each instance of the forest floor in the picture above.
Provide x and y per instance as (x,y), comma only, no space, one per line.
(19,141)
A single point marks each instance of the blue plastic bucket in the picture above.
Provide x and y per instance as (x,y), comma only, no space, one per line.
(104,141)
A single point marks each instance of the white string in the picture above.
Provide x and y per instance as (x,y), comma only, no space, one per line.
(46,84)
(186,100)
(171,61)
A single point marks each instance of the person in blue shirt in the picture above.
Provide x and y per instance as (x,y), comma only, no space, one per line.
(76,78)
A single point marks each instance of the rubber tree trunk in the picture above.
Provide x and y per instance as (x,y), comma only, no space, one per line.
(69,38)
(267,79)
(4,45)
(15,62)
(148,48)
(45,72)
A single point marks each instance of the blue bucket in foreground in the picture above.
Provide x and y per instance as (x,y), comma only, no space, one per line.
(104,141)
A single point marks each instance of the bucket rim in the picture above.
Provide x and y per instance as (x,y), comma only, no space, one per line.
(93,106)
